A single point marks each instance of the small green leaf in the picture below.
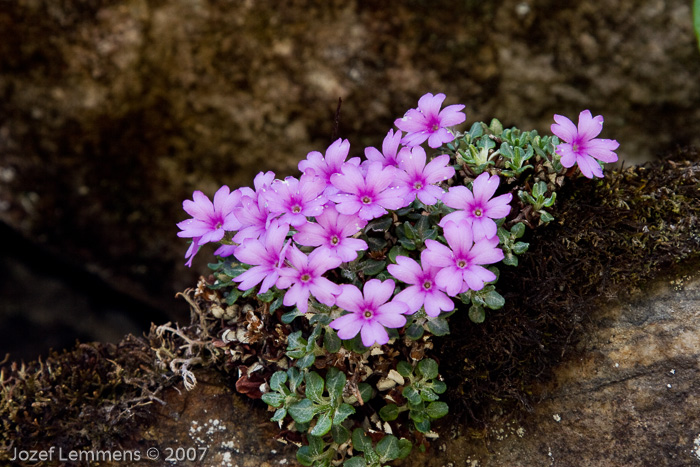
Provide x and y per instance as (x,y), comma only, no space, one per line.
(404,368)
(388,448)
(371,267)
(389,412)
(279,301)
(295,378)
(304,456)
(323,425)
(496,127)
(395,251)
(494,300)
(428,395)
(439,387)
(306,361)
(356,461)
(428,368)
(314,387)
(545,217)
(477,314)
(279,415)
(273,399)
(405,447)
(302,411)
(520,247)
(267,297)
(288,317)
(331,341)
(340,434)
(412,395)
(335,383)
(365,391)
(342,412)
(410,231)
(423,426)
(277,380)
(414,331)
(438,326)
(518,230)
(360,441)
(437,409)
(379,225)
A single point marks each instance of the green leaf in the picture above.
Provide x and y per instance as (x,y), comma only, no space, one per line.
(316,444)
(331,341)
(423,426)
(323,425)
(476,130)
(389,412)
(279,301)
(412,395)
(295,378)
(437,409)
(494,300)
(545,217)
(302,411)
(439,387)
(518,230)
(342,412)
(371,267)
(335,383)
(290,315)
(267,297)
(279,415)
(428,395)
(405,447)
(376,244)
(379,225)
(304,456)
(365,391)
(273,399)
(340,434)
(414,331)
(477,314)
(405,369)
(388,448)
(438,326)
(306,361)
(428,368)
(357,461)
(277,380)
(520,247)
(314,387)
(360,441)
(395,251)
(410,231)
(496,127)
(232,296)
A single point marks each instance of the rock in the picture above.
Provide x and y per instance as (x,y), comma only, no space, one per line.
(629,396)
(114,112)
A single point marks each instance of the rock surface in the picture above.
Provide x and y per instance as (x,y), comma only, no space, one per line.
(115,111)
(628,397)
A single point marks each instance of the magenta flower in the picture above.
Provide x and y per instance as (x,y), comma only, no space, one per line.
(461,261)
(367,196)
(370,313)
(390,154)
(324,167)
(210,221)
(420,179)
(581,145)
(296,199)
(423,291)
(428,122)
(266,255)
(331,234)
(476,207)
(305,278)
(254,217)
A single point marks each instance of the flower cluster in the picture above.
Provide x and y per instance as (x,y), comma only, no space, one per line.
(374,249)
(334,198)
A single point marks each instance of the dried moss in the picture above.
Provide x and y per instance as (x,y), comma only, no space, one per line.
(608,240)
(92,397)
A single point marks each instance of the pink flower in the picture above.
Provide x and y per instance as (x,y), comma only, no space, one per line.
(265,254)
(305,278)
(324,167)
(367,196)
(581,145)
(461,261)
(420,179)
(370,313)
(254,217)
(296,199)
(428,122)
(476,207)
(209,220)
(331,234)
(390,150)
(423,291)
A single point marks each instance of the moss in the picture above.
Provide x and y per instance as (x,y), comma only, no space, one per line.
(91,397)
(609,239)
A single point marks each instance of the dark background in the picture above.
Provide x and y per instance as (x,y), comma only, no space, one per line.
(113,112)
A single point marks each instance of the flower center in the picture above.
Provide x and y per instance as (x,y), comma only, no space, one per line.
(296,209)
(478,212)
(418,185)
(366,200)
(218,225)
(335,240)
(368,314)
(305,277)
(461,264)
(427,285)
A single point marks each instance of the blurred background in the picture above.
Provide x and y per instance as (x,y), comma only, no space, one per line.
(114,112)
